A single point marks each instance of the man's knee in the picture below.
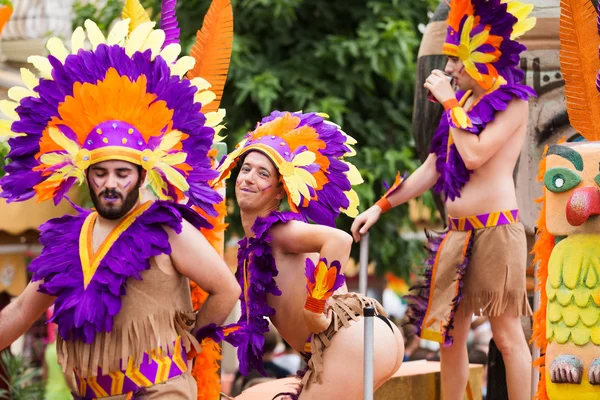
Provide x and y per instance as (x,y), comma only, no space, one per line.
(509,345)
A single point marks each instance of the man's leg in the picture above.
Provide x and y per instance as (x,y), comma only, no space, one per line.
(455,360)
(510,340)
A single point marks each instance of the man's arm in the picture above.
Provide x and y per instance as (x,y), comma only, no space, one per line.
(415,185)
(18,316)
(332,244)
(299,237)
(476,150)
(194,257)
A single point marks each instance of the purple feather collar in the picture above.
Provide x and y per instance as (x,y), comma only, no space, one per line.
(81,313)
(257,264)
(454,175)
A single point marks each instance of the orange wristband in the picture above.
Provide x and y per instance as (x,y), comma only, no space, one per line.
(450,104)
(384,204)
(314,305)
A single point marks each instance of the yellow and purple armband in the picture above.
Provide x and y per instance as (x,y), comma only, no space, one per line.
(384,203)
(321,282)
(457,116)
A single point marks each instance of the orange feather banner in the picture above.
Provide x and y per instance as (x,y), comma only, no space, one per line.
(579,62)
(212,50)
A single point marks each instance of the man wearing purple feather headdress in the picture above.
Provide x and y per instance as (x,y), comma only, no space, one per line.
(478,265)
(290,270)
(119,117)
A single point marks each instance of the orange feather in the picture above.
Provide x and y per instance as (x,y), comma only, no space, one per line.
(212,49)
(542,249)
(579,41)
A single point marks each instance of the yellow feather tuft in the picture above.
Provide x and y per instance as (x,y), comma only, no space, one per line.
(133,10)
(42,65)
(57,48)
(579,64)
(212,49)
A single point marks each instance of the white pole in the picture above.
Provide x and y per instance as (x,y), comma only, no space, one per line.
(364,264)
(369,313)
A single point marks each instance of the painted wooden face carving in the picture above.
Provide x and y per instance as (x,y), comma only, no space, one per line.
(572,185)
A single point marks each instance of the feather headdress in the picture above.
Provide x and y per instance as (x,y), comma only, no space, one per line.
(482,34)
(125,98)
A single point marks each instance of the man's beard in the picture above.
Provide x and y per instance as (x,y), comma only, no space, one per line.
(114,212)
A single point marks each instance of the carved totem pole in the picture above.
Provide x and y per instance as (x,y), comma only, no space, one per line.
(567,325)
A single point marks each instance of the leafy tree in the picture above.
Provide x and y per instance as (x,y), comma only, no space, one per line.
(353,59)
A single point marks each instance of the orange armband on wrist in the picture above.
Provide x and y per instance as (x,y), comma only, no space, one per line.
(314,305)
(450,104)
(384,204)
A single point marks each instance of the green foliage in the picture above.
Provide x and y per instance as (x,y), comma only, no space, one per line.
(353,59)
(4,149)
(24,380)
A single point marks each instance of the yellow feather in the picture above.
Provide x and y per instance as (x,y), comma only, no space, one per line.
(200,83)
(29,79)
(57,48)
(60,139)
(579,41)
(7,108)
(353,175)
(174,177)
(204,98)
(134,11)
(352,210)
(212,49)
(171,52)
(119,32)
(51,159)
(154,42)
(77,40)
(170,140)
(214,118)
(42,65)
(174,158)
(5,129)
(303,159)
(306,178)
(94,34)
(138,37)
(18,93)
(182,66)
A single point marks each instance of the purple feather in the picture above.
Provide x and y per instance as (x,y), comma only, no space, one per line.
(453,174)
(168,22)
(261,270)
(419,299)
(598,81)
(81,313)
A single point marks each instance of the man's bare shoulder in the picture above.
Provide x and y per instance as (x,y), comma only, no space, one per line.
(293,227)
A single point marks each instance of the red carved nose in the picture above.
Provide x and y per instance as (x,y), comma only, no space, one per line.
(584,203)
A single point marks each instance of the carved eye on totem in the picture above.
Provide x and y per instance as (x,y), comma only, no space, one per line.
(560,179)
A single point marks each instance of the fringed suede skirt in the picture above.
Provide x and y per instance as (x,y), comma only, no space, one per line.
(479,263)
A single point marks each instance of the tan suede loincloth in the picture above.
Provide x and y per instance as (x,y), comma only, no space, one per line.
(346,307)
(483,270)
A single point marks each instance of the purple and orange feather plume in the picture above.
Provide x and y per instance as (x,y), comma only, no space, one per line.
(322,280)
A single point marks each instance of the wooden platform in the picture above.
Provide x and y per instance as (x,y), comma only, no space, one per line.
(415,380)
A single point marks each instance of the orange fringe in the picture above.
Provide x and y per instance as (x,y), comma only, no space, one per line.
(206,363)
(541,250)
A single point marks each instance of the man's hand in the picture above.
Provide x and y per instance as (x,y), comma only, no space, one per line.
(317,322)
(439,85)
(364,222)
